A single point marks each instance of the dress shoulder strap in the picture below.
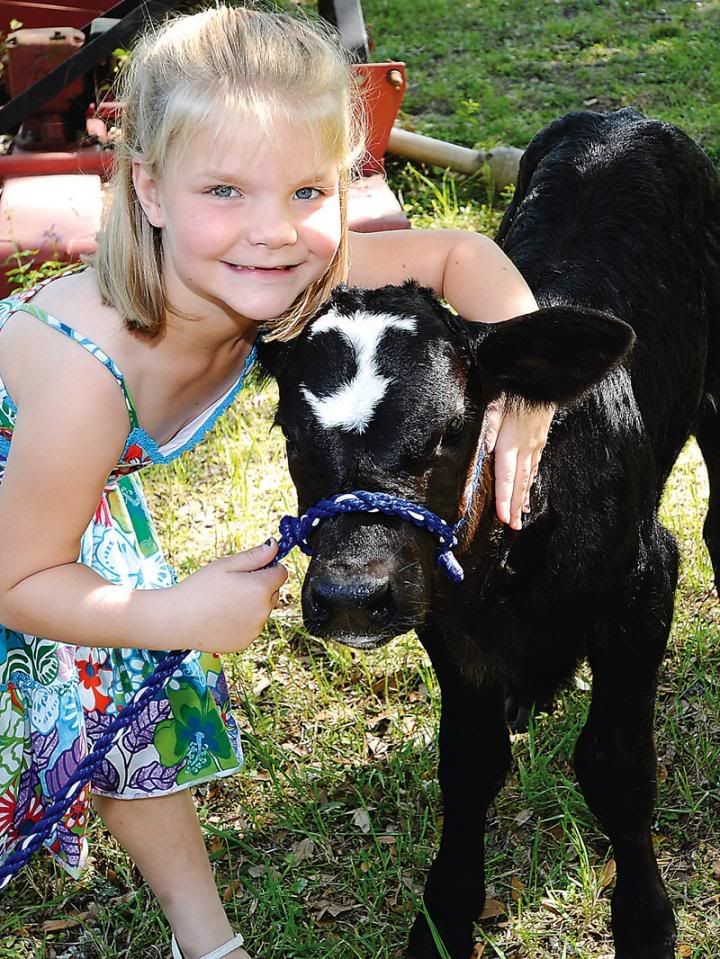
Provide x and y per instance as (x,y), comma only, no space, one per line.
(19,302)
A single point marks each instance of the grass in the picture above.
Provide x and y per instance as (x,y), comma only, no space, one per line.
(488,73)
(322,843)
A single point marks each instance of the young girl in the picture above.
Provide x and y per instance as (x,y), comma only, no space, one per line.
(228,213)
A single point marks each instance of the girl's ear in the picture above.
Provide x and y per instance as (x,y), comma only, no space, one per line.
(146,188)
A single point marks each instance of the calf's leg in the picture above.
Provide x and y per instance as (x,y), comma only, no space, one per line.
(616,765)
(474,760)
(707,433)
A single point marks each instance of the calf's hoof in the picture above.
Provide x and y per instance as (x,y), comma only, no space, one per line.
(658,950)
(643,929)
(458,942)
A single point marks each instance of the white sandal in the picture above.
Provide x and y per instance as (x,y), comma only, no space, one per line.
(218,953)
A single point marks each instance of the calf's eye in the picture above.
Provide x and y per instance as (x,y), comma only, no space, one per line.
(454,429)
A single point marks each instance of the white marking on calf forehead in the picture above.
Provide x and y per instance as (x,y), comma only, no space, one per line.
(351,406)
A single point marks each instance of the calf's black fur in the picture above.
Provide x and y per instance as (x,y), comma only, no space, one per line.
(615,219)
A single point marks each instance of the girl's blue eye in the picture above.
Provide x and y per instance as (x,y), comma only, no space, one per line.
(307,193)
(223,191)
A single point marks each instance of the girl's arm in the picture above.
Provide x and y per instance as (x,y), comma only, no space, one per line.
(479,281)
(69,434)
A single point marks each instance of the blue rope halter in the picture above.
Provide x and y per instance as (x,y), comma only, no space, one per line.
(294,531)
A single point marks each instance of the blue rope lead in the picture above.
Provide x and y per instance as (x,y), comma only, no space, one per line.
(42,829)
(294,531)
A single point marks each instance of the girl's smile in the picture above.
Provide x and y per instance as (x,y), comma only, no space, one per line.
(270,271)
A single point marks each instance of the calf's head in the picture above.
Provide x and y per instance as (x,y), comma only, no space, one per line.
(386,390)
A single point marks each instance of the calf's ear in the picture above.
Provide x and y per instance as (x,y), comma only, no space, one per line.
(551,356)
(271,358)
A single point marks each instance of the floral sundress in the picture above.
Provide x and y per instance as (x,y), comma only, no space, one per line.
(56,699)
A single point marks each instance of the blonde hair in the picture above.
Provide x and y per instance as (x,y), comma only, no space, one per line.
(207,66)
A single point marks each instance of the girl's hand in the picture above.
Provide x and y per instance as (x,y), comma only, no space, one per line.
(223,606)
(518,436)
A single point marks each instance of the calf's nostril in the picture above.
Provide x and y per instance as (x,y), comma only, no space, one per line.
(381,604)
(323,594)
(373,598)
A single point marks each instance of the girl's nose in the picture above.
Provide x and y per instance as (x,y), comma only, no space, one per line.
(272,228)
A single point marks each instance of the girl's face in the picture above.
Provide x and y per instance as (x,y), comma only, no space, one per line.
(248,221)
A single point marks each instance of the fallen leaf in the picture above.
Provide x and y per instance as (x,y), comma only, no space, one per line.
(380,723)
(684,951)
(608,874)
(217,845)
(55,925)
(716,869)
(304,849)
(550,906)
(518,887)
(420,695)
(335,909)
(260,686)
(413,886)
(492,908)
(478,951)
(376,746)
(122,900)
(523,816)
(230,890)
(361,819)
(387,840)
(325,907)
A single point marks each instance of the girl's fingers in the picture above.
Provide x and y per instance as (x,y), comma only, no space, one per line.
(505,470)
(521,489)
(276,576)
(251,559)
(533,474)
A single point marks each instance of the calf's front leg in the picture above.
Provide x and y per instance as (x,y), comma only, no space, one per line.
(474,760)
(616,767)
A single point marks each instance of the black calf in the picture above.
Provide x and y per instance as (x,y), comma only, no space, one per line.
(614,216)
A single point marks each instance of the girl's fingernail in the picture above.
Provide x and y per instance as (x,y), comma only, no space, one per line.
(270,542)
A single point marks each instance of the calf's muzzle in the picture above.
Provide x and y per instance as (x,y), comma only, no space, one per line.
(356,609)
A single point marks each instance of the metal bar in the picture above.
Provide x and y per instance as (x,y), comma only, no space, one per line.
(87,57)
(19,164)
(347,16)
